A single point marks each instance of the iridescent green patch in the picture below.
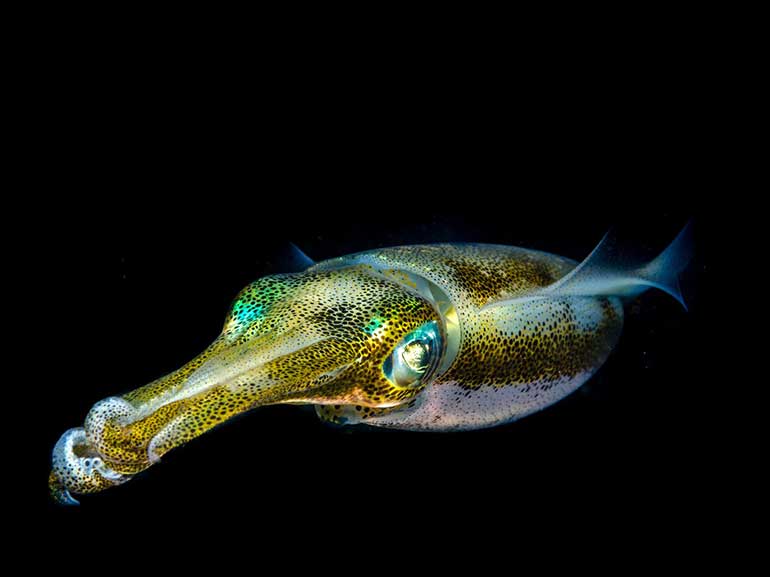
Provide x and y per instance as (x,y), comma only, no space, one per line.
(373,325)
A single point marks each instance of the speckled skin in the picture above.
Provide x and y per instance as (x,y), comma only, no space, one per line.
(323,335)
(512,360)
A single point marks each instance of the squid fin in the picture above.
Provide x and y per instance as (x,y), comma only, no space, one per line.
(298,260)
(611,271)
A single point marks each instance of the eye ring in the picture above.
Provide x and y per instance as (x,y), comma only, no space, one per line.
(415,358)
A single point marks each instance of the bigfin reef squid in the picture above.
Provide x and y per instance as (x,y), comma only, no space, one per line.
(444,337)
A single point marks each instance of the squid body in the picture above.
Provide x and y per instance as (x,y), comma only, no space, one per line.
(443,337)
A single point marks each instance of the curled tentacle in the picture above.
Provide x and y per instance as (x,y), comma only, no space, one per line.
(77,467)
(104,416)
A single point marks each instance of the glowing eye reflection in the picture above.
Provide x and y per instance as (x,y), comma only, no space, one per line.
(415,358)
(417,355)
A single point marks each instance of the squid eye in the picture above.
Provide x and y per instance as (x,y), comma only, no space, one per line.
(415,358)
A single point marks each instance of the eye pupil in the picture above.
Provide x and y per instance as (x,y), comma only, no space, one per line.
(413,359)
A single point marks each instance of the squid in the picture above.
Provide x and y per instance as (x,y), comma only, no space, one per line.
(444,337)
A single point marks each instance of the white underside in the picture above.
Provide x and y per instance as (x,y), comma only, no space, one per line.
(448,407)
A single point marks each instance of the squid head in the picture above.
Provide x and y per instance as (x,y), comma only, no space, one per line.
(331,337)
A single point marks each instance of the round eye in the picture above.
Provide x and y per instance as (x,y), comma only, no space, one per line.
(415,358)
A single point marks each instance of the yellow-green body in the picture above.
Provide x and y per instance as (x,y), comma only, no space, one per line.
(434,337)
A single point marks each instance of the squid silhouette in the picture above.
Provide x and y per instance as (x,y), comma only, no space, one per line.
(439,337)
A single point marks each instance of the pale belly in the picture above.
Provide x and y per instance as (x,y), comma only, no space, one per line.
(497,387)
(449,407)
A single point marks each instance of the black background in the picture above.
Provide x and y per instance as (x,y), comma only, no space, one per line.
(174,189)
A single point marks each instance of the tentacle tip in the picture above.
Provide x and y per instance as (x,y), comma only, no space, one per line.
(59,493)
(67,500)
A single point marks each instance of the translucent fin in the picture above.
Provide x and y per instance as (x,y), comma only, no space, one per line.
(612,270)
(299,261)
(663,272)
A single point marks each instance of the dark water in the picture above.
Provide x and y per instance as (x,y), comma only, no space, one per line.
(161,179)
(148,290)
